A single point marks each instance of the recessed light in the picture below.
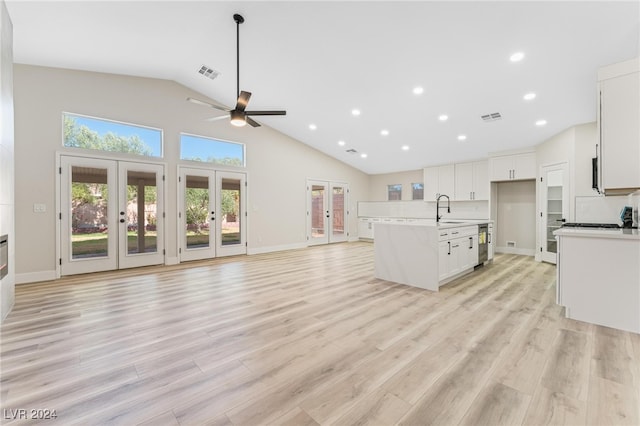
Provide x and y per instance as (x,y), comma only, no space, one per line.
(529,96)
(541,122)
(516,57)
(418,90)
(312,126)
(384,132)
(355,112)
(443,117)
(462,137)
(405,147)
(363,155)
(341,143)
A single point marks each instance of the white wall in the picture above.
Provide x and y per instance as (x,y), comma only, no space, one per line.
(378,184)
(277,166)
(516,216)
(7,285)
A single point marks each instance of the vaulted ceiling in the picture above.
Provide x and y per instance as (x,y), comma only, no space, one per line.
(322,60)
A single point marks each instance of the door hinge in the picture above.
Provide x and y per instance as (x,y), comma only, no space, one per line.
(540,178)
(164,251)
(60,216)
(179,178)
(540,249)
(163,178)
(60,170)
(246,244)
(179,215)
(540,214)
(60,261)
(246,214)
(245,183)
(180,250)
(163,215)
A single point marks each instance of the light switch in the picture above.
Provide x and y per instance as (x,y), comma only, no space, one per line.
(39,208)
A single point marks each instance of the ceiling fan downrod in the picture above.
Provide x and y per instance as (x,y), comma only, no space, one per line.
(238,20)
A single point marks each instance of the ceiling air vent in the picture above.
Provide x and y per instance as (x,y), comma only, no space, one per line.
(208,72)
(351,151)
(491,117)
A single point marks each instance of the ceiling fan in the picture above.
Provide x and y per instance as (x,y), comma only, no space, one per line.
(239,115)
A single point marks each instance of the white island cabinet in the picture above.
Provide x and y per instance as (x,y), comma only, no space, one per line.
(598,276)
(425,255)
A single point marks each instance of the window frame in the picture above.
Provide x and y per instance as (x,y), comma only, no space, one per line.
(214,139)
(124,123)
(413,190)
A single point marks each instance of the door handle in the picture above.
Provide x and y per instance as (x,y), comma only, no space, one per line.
(449,242)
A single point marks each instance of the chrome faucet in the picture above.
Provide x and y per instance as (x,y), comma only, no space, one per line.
(438,206)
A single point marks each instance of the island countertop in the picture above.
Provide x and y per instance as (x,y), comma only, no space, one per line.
(620,233)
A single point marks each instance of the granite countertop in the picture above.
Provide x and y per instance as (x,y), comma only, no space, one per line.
(628,234)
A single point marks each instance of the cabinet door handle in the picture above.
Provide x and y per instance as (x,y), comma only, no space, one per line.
(449,242)
(489,240)
(470,242)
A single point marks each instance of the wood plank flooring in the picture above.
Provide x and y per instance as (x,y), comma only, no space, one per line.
(310,337)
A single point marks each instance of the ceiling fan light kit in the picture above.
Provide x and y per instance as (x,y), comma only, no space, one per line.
(239,117)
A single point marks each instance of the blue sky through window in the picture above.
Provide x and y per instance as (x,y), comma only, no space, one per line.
(151,137)
(211,150)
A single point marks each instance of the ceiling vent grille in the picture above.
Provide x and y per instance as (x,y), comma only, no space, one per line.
(491,117)
(208,72)
(351,151)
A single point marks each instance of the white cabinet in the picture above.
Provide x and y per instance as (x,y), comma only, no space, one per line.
(438,180)
(513,167)
(457,250)
(472,181)
(619,125)
(365,228)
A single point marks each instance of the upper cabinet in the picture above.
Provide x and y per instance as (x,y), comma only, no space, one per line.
(472,181)
(619,127)
(513,167)
(439,180)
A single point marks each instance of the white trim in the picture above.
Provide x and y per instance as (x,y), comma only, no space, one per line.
(171,260)
(515,250)
(270,249)
(34,277)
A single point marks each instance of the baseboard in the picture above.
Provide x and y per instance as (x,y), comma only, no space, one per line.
(271,249)
(34,277)
(515,250)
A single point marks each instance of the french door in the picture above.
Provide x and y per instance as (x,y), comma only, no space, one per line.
(327,212)
(555,207)
(111,215)
(212,213)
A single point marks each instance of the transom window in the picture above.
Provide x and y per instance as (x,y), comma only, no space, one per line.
(417,190)
(112,136)
(209,150)
(394,192)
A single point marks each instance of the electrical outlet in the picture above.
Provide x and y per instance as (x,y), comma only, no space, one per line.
(39,208)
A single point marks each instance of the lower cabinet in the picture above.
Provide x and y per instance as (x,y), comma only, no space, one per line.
(459,252)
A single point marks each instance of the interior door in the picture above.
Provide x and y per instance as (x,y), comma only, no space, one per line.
(231,201)
(140,215)
(318,212)
(88,215)
(555,207)
(197,214)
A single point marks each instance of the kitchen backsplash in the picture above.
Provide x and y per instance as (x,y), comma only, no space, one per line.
(476,210)
(604,209)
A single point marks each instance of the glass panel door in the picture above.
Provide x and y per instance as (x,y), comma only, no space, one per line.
(197,215)
(338,219)
(231,202)
(141,214)
(555,207)
(317,212)
(88,215)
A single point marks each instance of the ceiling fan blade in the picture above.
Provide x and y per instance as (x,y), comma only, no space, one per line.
(253,122)
(266,112)
(209,104)
(243,100)
(221,117)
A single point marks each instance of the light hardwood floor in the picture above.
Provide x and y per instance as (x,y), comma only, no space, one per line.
(310,337)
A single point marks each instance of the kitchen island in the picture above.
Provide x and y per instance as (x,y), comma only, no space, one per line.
(598,276)
(428,254)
